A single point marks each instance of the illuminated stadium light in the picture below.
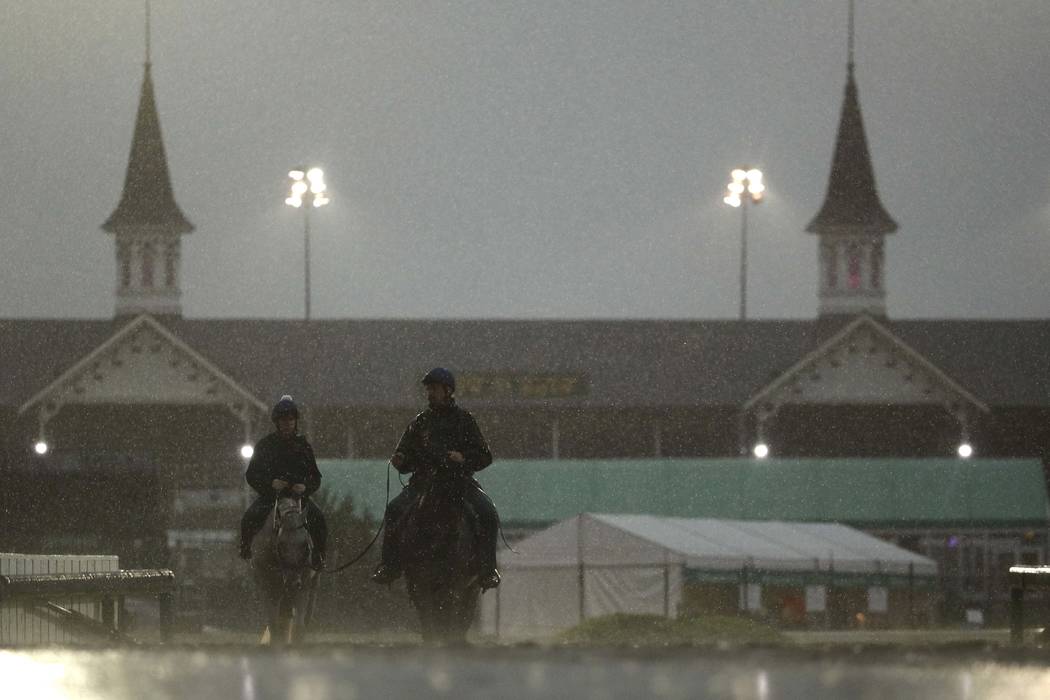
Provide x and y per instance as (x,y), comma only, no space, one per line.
(307,191)
(746,186)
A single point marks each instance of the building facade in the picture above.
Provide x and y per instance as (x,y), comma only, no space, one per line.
(127,431)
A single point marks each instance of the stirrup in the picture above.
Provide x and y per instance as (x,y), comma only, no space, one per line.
(385,574)
(490,579)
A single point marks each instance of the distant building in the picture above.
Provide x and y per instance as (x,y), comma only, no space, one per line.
(144,414)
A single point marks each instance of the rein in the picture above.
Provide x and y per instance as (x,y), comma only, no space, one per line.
(382,524)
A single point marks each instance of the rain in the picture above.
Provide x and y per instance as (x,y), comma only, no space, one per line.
(591,349)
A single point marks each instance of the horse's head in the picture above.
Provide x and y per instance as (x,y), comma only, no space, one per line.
(291,541)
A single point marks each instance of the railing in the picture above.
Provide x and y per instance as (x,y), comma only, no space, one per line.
(36,593)
(1022,579)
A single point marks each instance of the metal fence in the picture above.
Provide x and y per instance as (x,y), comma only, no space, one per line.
(69,599)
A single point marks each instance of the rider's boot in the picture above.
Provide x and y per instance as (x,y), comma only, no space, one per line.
(386,573)
(317,560)
(245,549)
(489,579)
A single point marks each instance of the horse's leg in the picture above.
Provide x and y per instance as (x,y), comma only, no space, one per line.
(270,633)
(304,609)
(466,607)
(271,591)
(267,601)
(296,626)
(419,596)
(285,618)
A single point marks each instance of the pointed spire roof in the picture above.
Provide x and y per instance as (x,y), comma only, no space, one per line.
(148,198)
(852,199)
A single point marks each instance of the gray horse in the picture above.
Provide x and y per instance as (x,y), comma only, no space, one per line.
(283,576)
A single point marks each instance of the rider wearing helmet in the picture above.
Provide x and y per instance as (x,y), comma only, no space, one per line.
(283,461)
(444,436)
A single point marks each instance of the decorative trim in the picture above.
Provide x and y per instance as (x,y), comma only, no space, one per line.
(52,399)
(792,375)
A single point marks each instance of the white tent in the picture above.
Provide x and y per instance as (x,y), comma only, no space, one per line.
(596,564)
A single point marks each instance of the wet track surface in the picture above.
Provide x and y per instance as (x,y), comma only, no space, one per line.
(319,673)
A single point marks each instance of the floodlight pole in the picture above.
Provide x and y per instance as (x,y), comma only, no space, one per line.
(306,257)
(307,192)
(743,258)
(746,187)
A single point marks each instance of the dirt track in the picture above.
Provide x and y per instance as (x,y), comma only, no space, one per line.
(321,671)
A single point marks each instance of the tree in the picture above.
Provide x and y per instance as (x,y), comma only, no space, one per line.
(347,599)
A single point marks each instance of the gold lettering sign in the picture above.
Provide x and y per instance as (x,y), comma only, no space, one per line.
(492,385)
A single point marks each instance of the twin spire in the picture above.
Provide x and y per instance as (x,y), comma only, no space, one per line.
(852,200)
(852,223)
(147,223)
(148,198)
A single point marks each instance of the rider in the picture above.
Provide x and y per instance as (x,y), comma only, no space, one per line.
(284,461)
(444,436)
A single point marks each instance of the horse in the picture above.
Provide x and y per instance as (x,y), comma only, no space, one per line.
(283,576)
(438,552)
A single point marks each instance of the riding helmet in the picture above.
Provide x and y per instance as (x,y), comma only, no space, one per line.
(285,407)
(440,375)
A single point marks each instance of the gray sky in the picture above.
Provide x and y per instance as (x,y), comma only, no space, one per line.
(492,158)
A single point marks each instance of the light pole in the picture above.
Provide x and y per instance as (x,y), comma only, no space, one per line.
(307,192)
(746,186)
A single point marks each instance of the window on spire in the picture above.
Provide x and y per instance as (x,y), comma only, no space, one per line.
(124,256)
(147,265)
(169,265)
(830,264)
(876,265)
(853,267)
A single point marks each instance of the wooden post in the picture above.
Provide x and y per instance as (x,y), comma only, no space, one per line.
(1016,615)
(667,587)
(580,578)
(555,439)
(109,612)
(911,594)
(497,612)
(166,602)
(828,597)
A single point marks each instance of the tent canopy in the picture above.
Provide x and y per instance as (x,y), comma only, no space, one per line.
(705,544)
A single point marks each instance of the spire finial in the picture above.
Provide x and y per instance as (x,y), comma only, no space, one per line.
(147,34)
(849,42)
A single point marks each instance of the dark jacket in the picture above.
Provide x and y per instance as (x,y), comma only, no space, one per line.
(434,433)
(290,459)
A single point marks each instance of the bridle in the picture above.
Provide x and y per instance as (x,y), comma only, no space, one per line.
(279,525)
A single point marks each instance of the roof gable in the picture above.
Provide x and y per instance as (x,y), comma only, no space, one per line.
(374,363)
(143,363)
(864,363)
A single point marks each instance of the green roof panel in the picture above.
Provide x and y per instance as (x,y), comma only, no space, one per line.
(862,492)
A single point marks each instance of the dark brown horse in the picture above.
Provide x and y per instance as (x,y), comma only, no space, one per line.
(438,550)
